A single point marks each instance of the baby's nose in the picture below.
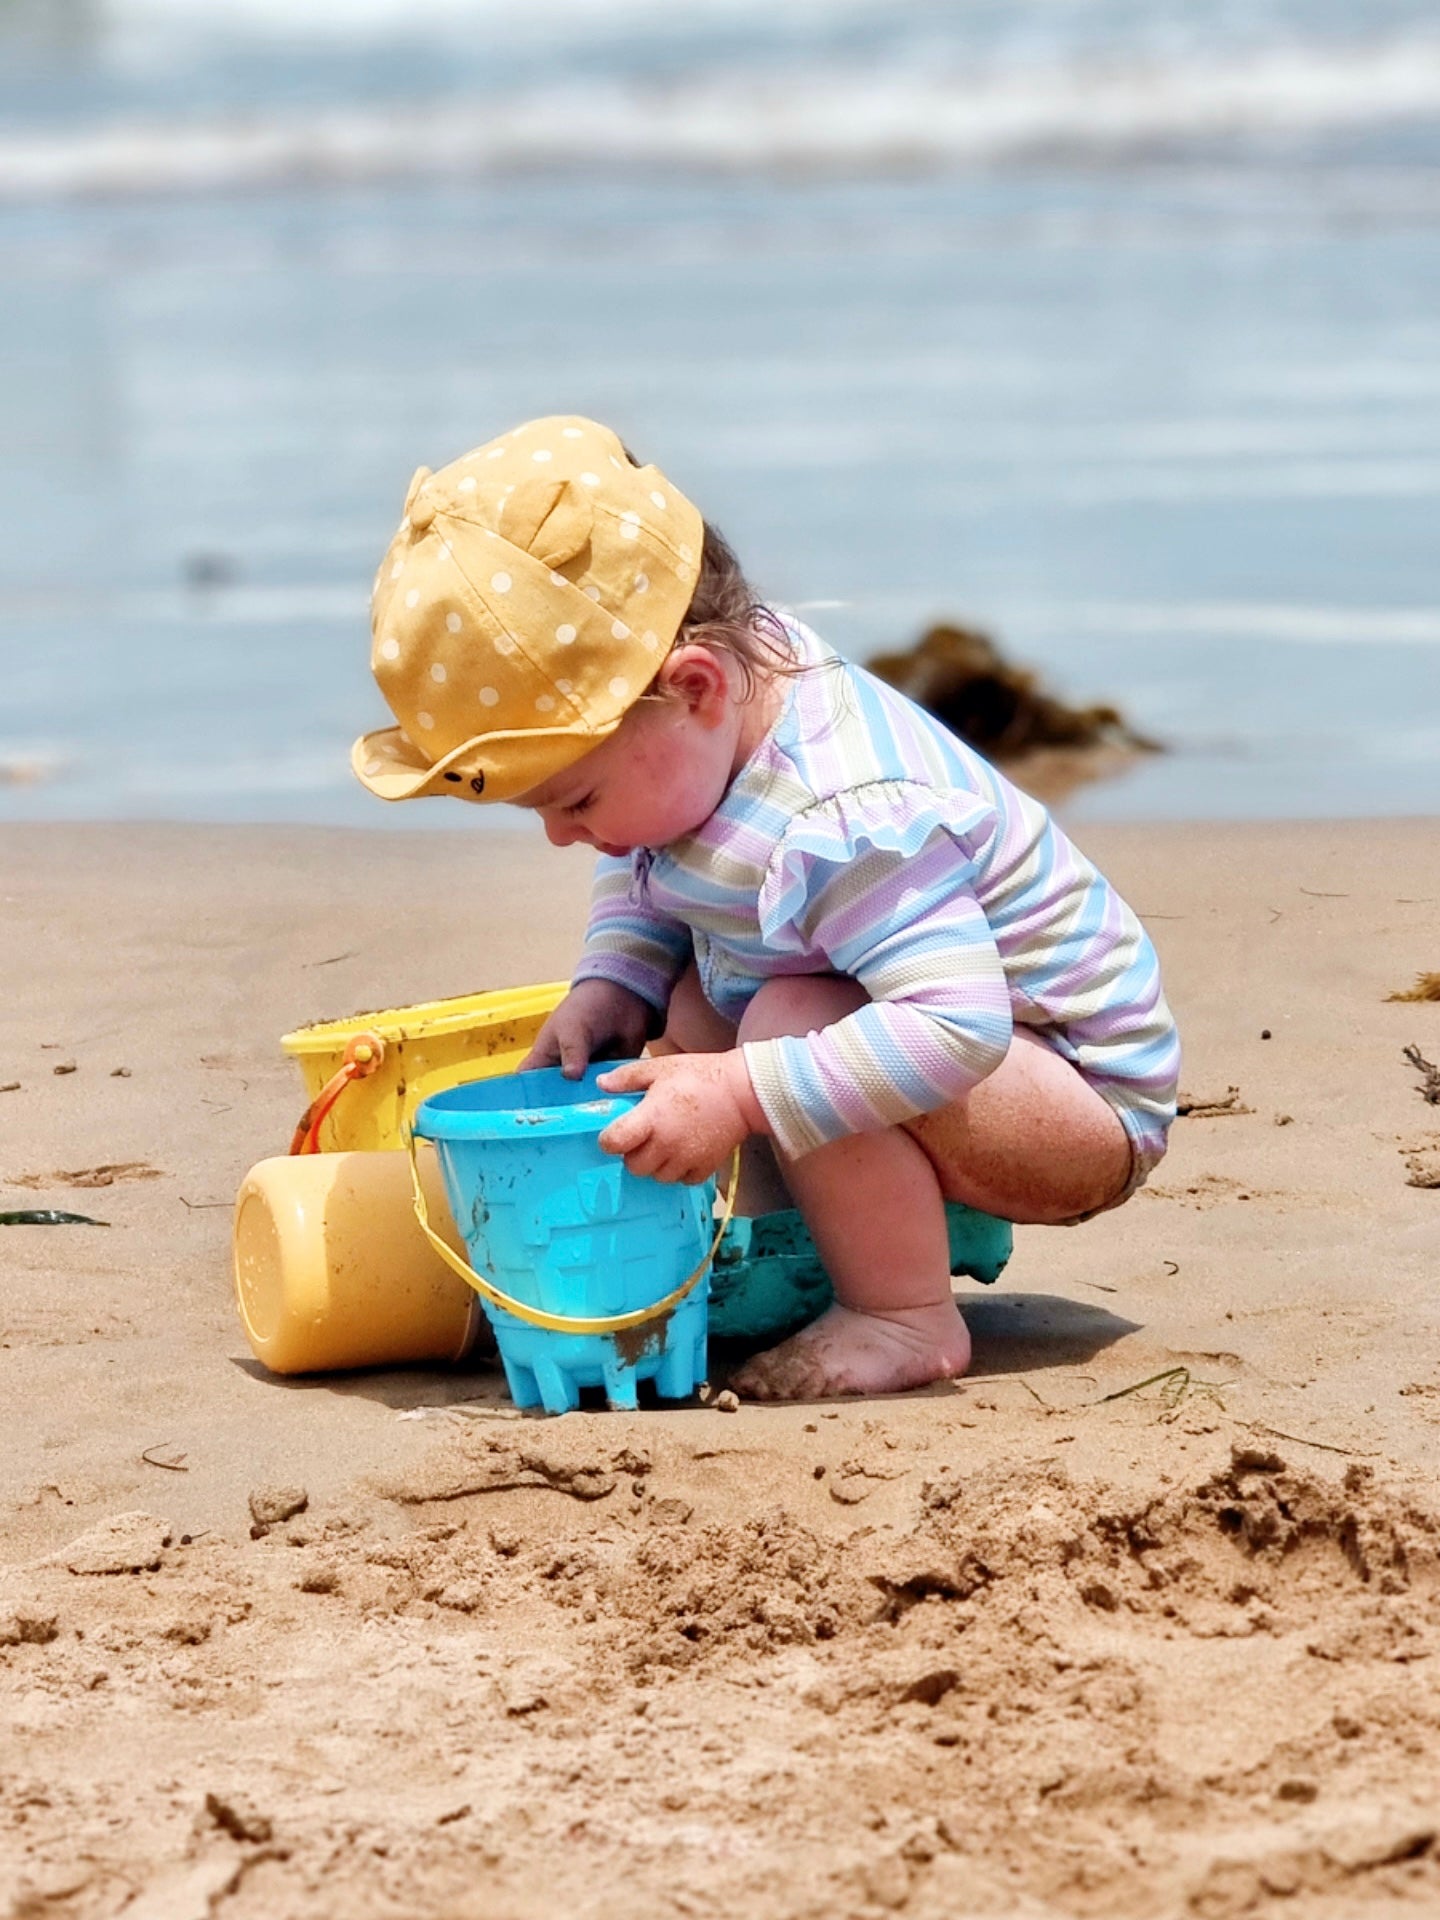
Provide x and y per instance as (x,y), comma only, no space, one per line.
(561,832)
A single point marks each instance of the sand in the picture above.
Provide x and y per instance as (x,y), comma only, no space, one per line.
(1006,1647)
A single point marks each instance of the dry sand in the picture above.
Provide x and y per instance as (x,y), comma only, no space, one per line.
(1005,1647)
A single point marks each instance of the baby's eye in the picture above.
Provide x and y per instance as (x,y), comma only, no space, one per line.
(581,806)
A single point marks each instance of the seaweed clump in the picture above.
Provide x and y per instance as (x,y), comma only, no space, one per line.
(961,676)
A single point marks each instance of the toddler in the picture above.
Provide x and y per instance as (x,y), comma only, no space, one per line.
(846,938)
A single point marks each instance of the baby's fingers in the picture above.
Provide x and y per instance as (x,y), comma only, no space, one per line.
(544,1053)
(627,1134)
(634,1077)
(574,1051)
(562,1042)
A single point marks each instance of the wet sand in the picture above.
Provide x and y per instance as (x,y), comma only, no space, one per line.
(1010,1646)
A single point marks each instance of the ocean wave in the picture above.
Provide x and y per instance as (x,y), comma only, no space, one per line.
(789,119)
(319,21)
(293,607)
(221,606)
(1250,620)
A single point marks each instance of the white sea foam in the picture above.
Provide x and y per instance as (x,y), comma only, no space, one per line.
(1348,479)
(1255,620)
(176,774)
(787,117)
(345,20)
(220,606)
(301,606)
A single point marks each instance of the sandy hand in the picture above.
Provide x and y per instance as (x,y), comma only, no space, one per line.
(597,1019)
(849,1352)
(698,1108)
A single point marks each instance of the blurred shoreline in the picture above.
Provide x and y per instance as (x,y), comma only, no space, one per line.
(824,118)
(1109,327)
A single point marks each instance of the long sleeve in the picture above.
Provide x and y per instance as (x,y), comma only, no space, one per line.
(627,939)
(881,889)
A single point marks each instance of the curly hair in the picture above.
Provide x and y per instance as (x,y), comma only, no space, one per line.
(725,613)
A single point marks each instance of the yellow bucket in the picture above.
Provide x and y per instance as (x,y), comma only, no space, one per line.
(428,1048)
(331,1266)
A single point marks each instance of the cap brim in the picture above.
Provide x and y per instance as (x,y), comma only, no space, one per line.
(391,767)
(388,763)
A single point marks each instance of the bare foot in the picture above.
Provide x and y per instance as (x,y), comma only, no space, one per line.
(845,1351)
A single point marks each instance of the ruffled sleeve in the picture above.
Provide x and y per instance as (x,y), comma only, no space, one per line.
(880,882)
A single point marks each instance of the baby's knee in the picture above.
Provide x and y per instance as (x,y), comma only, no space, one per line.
(691,1024)
(800,1003)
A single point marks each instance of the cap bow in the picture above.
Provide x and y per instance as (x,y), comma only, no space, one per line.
(550,519)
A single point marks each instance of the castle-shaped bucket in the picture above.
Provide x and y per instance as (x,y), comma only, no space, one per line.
(592,1276)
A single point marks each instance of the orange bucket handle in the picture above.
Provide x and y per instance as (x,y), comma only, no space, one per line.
(364,1052)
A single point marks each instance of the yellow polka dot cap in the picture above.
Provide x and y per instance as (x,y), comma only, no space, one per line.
(528,600)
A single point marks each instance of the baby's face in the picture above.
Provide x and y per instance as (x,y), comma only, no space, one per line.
(659,776)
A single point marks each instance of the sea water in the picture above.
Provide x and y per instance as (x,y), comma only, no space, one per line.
(1112,328)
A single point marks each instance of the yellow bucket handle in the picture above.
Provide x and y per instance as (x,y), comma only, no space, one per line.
(555,1322)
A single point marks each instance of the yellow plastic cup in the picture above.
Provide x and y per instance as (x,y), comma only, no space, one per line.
(332,1269)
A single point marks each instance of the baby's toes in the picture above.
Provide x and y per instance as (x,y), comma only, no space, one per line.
(792,1371)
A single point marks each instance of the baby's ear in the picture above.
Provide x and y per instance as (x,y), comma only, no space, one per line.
(695,675)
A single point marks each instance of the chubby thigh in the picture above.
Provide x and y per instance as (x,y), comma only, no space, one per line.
(1033,1142)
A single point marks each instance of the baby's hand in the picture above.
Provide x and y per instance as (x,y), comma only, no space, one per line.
(697,1109)
(595,1019)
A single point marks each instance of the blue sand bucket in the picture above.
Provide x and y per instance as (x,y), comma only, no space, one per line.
(768,1279)
(562,1232)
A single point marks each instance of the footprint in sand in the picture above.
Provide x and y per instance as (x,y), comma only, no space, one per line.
(1210,1190)
(105,1175)
(1422,1160)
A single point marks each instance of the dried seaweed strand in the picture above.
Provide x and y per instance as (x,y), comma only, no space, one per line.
(1429,1089)
(48,1217)
(1325,1446)
(1176,1384)
(1426,987)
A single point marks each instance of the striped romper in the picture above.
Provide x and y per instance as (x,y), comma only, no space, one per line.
(862,838)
